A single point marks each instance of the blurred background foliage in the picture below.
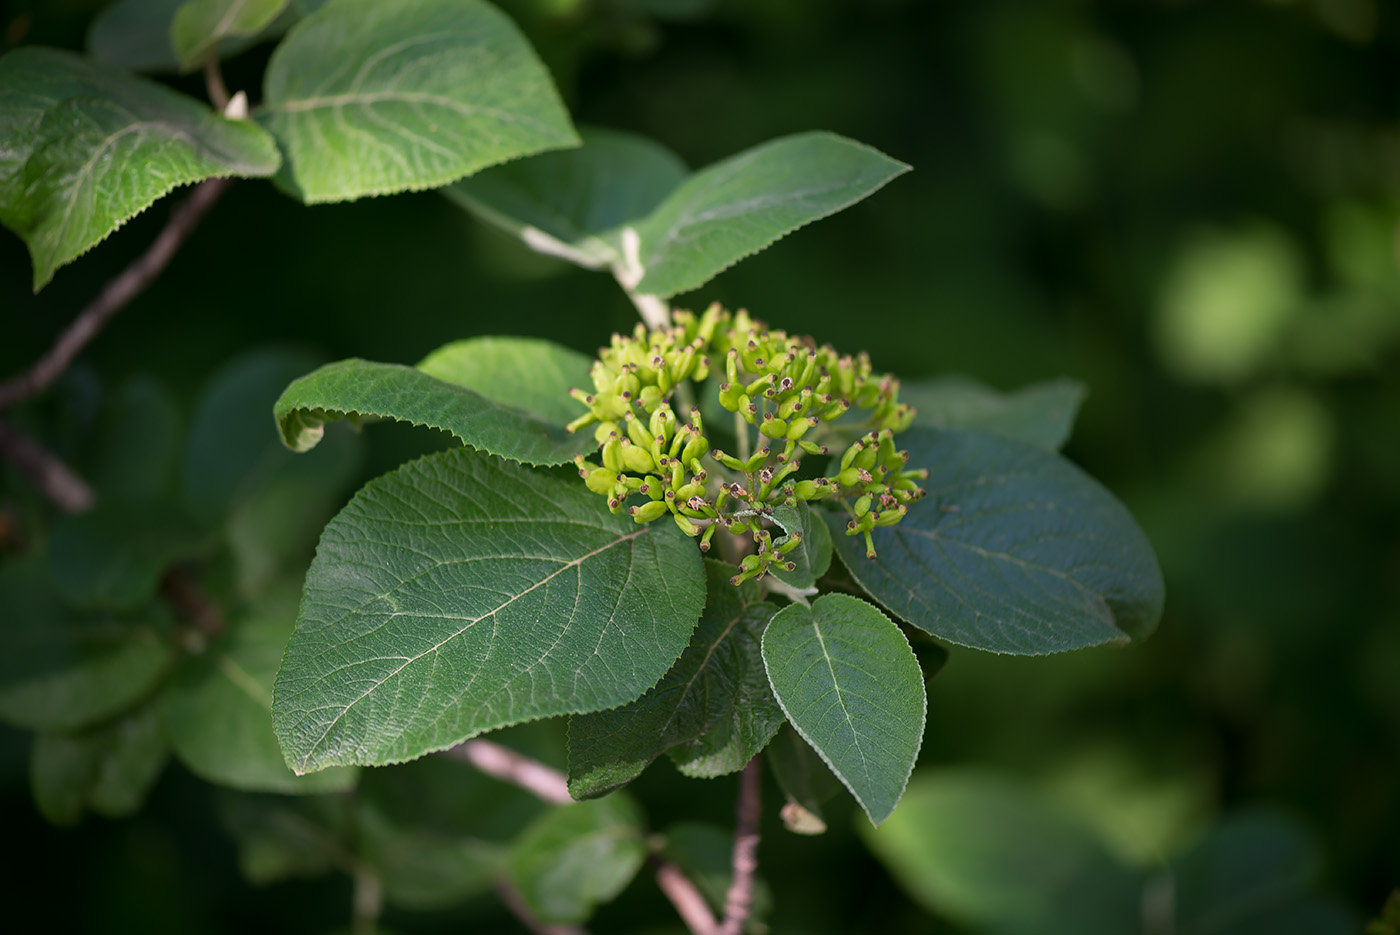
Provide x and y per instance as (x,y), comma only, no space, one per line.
(1189,205)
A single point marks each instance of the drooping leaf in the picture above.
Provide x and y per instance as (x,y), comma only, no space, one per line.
(985,850)
(570,204)
(528,375)
(1014,550)
(63,670)
(813,555)
(369,98)
(850,685)
(804,779)
(1041,414)
(201,25)
(737,207)
(108,769)
(576,857)
(88,146)
(462,593)
(217,710)
(356,389)
(713,711)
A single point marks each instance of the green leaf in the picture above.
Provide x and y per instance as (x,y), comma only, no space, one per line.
(713,711)
(137,438)
(114,557)
(87,147)
(528,375)
(987,851)
(570,204)
(422,868)
(1014,550)
(108,769)
(804,779)
(576,857)
(462,593)
(136,34)
(217,711)
(813,555)
(200,25)
(737,207)
(280,838)
(1041,414)
(369,98)
(850,685)
(61,669)
(356,389)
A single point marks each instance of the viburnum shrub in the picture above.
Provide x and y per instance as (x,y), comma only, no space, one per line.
(771,545)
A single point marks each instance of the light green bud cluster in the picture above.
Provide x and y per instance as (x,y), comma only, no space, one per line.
(654,464)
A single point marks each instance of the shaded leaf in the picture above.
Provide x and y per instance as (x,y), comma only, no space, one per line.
(200,25)
(576,857)
(736,207)
(462,593)
(108,769)
(88,146)
(528,375)
(280,838)
(813,555)
(422,868)
(1014,550)
(136,34)
(217,711)
(137,438)
(713,711)
(569,204)
(805,780)
(1041,414)
(114,557)
(850,685)
(356,389)
(985,850)
(369,98)
(61,669)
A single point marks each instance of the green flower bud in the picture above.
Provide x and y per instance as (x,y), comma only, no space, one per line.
(638,460)
(648,511)
(773,428)
(601,481)
(686,526)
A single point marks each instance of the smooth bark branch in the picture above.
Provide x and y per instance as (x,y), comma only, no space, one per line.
(532,776)
(55,480)
(690,905)
(738,904)
(130,283)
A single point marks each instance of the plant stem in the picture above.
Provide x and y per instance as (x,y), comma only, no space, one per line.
(741,433)
(690,905)
(738,903)
(368,900)
(214,81)
(55,480)
(516,904)
(546,783)
(130,283)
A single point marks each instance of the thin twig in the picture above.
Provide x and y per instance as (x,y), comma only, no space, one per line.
(55,480)
(503,763)
(690,905)
(214,81)
(368,901)
(738,903)
(129,284)
(518,908)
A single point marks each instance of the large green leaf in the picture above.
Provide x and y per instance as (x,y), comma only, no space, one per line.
(850,685)
(462,593)
(356,389)
(1014,550)
(218,711)
(201,25)
(570,204)
(87,147)
(108,769)
(985,850)
(737,207)
(528,375)
(368,98)
(577,856)
(62,670)
(713,710)
(1041,414)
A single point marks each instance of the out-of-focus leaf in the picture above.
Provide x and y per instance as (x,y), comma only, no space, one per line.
(114,556)
(108,769)
(201,25)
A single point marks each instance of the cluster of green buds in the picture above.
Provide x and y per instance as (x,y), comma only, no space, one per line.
(654,463)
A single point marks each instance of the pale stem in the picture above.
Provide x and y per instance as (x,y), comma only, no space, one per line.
(690,905)
(738,904)
(741,432)
(533,776)
(368,900)
(516,904)
(214,81)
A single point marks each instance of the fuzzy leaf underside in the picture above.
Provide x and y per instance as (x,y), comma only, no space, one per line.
(371,98)
(87,147)
(1013,550)
(461,593)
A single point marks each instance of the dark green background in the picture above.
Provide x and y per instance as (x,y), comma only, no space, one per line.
(1086,176)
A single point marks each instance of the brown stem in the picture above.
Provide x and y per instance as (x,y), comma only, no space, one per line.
(190,602)
(503,763)
(130,283)
(55,479)
(690,905)
(518,908)
(738,904)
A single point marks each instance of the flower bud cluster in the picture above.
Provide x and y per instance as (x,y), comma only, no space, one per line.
(653,463)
